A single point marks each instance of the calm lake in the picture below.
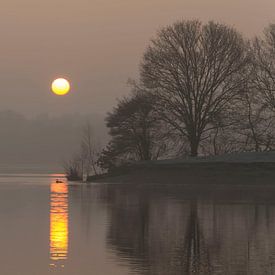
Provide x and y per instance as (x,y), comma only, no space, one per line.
(101,229)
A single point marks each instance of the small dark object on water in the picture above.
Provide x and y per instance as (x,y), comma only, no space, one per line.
(58,181)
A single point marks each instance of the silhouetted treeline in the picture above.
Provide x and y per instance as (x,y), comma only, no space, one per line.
(203,89)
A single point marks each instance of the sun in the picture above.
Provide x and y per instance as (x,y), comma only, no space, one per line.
(60,86)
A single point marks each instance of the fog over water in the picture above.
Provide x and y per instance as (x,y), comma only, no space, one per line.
(43,143)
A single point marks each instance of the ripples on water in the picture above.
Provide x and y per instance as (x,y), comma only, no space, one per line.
(49,227)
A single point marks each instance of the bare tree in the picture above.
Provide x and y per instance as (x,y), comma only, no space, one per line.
(89,150)
(222,140)
(247,126)
(195,71)
(255,122)
(264,65)
(83,163)
(73,168)
(258,99)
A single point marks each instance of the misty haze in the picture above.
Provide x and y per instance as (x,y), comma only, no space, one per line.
(42,143)
(137,137)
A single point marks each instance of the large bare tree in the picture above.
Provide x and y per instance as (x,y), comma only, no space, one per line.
(195,70)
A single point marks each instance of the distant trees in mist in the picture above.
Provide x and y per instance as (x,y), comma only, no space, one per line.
(42,142)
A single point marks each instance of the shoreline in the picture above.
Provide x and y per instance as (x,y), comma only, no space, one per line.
(192,173)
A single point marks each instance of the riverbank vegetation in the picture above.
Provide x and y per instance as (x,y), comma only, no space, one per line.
(203,89)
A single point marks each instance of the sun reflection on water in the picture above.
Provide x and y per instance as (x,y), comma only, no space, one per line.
(59,219)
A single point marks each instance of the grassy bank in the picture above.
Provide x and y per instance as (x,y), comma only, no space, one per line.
(243,168)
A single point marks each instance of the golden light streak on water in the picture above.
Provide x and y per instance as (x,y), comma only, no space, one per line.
(59,223)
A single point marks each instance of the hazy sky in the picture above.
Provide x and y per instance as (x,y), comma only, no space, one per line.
(97,44)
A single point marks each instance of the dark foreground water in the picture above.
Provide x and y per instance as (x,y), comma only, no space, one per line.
(101,229)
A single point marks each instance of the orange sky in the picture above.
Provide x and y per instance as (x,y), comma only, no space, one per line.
(96,43)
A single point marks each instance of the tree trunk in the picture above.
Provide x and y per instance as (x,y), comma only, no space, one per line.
(194,145)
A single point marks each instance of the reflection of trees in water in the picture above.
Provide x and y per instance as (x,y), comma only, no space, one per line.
(157,231)
(157,235)
(128,232)
(192,253)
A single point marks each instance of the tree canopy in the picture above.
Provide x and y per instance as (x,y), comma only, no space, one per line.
(196,70)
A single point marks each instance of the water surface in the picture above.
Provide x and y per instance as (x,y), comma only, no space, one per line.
(65,228)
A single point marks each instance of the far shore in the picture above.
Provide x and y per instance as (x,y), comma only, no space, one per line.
(240,168)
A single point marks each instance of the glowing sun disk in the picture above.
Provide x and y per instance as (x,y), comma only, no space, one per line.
(60,86)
